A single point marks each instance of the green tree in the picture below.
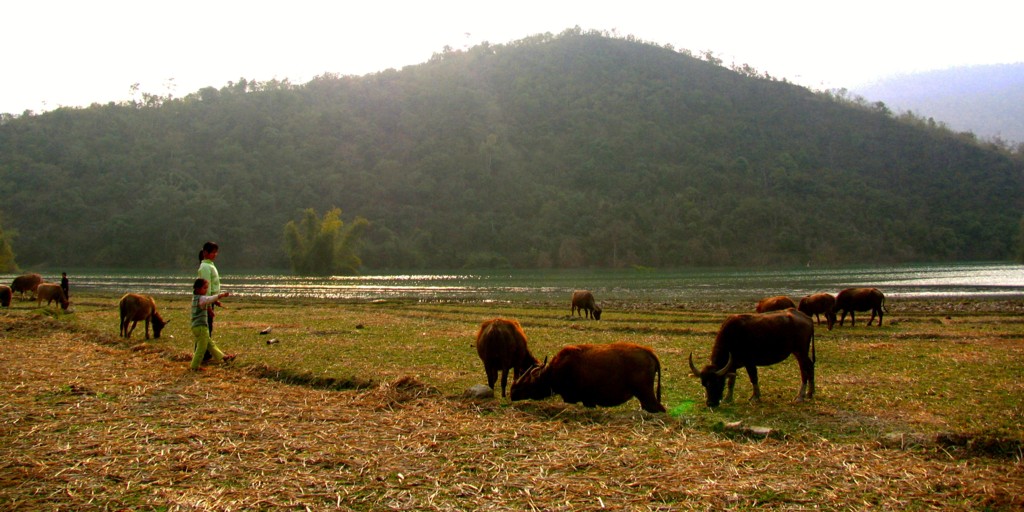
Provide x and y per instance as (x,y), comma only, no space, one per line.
(7,263)
(324,246)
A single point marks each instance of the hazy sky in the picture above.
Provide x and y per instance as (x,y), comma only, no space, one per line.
(73,53)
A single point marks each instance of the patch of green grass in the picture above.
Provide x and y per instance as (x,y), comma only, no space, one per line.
(924,371)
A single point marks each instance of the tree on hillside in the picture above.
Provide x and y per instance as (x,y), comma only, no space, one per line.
(324,246)
(7,263)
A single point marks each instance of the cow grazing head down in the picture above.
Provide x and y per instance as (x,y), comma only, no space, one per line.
(852,300)
(583,303)
(713,380)
(753,340)
(596,375)
(501,345)
(135,308)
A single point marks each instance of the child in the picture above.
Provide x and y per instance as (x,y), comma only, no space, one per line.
(200,328)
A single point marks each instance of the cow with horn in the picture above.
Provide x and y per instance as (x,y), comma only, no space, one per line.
(752,340)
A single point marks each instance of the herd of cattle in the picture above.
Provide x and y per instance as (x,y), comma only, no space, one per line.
(611,374)
(33,283)
(602,375)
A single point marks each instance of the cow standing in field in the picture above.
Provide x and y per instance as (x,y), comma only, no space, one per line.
(26,283)
(5,295)
(774,304)
(752,340)
(583,303)
(860,299)
(51,292)
(596,375)
(135,307)
(819,304)
(501,345)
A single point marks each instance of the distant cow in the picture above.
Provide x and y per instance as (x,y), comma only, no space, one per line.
(752,340)
(5,295)
(26,283)
(596,375)
(135,307)
(51,292)
(775,304)
(583,303)
(501,345)
(860,299)
(820,304)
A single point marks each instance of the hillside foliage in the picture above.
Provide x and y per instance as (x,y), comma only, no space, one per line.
(575,150)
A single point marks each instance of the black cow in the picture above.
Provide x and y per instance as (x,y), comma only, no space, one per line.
(583,303)
(820,304)
(596,375)
(758,339)
(860,299)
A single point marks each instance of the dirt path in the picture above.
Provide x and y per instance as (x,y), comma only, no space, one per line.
(86,424)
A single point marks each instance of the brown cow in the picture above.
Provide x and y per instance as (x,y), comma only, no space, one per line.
(583,302)
(775,304)
(819,304)
(501,345)
(596,375)
(135,307)
(51,292)
(26,283)
(752,340)
(5,295)
(860,299)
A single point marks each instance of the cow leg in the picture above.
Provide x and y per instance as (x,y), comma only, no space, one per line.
(752,373)
(504,381)
(147,327)
(132,328)
(806,377)
(492,377)
(879,316)
(730,382)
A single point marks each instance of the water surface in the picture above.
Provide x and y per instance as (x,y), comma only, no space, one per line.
(980,280)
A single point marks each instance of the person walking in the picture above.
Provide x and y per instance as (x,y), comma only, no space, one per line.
(208,271)
(202,342)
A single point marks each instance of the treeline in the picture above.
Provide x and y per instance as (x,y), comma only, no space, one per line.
(576,150)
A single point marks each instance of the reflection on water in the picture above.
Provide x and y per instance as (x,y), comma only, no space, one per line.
(968,280)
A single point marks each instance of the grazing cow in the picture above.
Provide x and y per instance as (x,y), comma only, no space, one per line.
(604,375)
(51,292)
(775,304)
(583,303)
(135,307)
(501,345)
(820,304)
(26,283)
(860,299)
(5,295)
(752,340)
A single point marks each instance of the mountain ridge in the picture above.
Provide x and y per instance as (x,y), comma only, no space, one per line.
(567,151)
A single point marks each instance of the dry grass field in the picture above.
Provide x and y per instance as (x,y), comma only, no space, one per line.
(358,406)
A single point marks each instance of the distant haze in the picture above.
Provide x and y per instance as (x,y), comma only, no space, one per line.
(985,100)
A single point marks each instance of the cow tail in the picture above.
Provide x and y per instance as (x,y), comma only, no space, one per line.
(658,370)
(814,358)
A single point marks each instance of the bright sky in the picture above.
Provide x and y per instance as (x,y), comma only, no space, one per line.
(76,52)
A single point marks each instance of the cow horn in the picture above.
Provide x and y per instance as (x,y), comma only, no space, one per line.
(725,369)
(692,367)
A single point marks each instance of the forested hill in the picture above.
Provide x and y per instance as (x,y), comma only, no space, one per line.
(576,150)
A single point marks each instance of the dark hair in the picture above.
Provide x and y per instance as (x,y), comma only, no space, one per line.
(202,255)
(197,285)
(210,247)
